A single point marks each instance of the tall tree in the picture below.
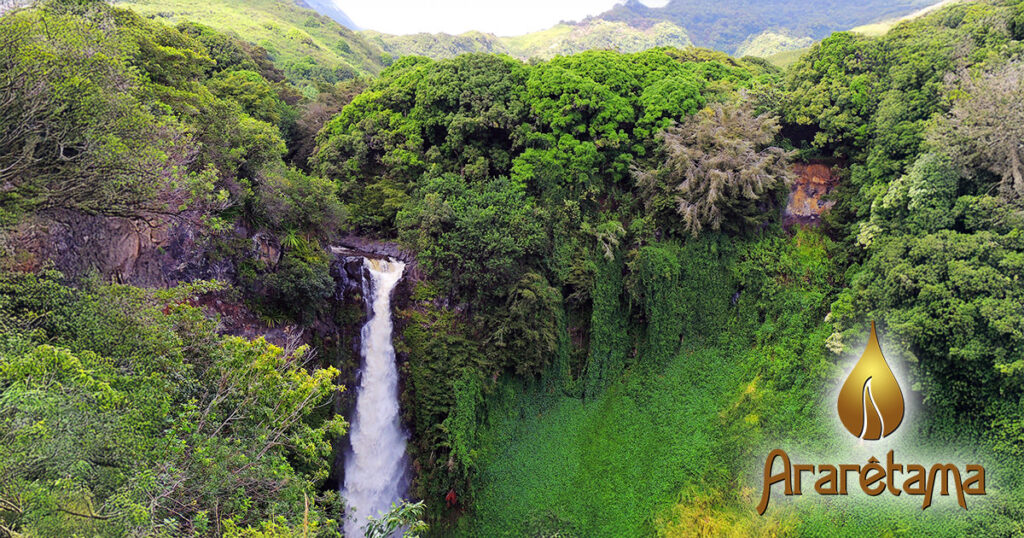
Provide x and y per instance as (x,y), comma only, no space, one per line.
(719,169)
(984,132)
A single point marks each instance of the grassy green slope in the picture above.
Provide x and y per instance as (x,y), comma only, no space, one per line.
(438,46)
(599,34)
(619,464)
(306,45)
(604,468)
(677,449)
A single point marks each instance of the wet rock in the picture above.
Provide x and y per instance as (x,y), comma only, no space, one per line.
(374,248)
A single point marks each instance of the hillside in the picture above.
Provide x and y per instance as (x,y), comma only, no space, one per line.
(783,51)
(725,24)
(308,46)
(597,34)
(560,39)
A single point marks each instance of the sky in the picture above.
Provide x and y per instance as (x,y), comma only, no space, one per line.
(501,17)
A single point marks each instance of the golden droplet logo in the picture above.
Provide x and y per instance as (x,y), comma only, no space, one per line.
(871,407)
(871,402)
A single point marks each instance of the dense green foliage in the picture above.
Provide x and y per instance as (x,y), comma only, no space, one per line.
(927,116)
(570,127)
(123,412)
(606,323)
(79,132)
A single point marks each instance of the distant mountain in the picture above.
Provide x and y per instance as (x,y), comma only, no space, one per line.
(740,27)
(329,8)
(307,45)
(726,24)
(565,38)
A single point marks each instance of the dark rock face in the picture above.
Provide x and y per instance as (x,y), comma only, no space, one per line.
(347,271)
(372,248)
(349,275)
(155,254)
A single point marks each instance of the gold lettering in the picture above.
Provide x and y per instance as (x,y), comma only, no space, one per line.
(891,469)
(770,479)
(874,477)
(797,470)
(877,473)
(978,478)
(944,470)
(843,469)
(829,478)
(917,478)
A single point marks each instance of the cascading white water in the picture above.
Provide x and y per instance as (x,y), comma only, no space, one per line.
(375,469)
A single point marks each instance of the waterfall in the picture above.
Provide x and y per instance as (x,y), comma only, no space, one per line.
(375,468)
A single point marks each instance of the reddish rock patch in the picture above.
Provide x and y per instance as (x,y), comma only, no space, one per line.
(806,203)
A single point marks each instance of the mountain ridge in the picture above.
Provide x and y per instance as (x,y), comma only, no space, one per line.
(561,39)
(725,24)
(730,26)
